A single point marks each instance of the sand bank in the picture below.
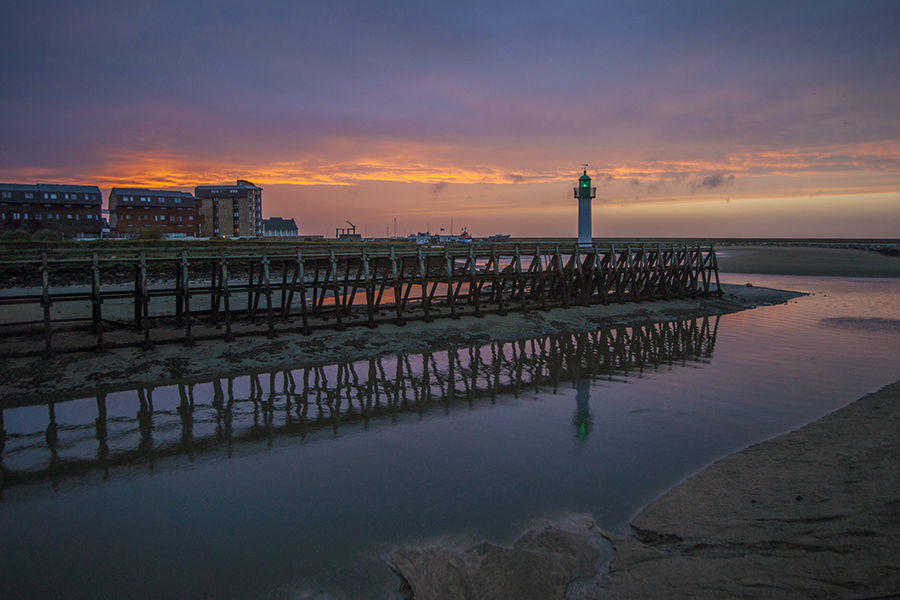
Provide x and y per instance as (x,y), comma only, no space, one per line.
(811,513)
(795,260)
(89,372)
(814,513)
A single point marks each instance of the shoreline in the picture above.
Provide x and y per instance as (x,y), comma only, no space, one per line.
(88,373)
(813,512)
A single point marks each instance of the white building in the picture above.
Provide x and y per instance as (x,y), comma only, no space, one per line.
(278,227)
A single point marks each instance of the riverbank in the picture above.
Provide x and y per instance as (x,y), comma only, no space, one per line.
(814,513)
(87,373)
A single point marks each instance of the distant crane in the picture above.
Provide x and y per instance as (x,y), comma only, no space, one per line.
(343,231)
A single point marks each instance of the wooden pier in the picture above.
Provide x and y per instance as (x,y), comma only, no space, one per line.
(76,301)
(206,416)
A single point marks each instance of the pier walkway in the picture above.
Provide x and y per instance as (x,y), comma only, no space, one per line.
(77,300)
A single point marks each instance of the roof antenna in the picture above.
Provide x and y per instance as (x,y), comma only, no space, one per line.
(585,166)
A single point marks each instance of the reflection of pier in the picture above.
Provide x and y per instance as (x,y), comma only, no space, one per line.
(188,419)
(126,298)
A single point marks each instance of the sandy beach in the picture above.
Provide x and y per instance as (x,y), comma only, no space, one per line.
(814,513)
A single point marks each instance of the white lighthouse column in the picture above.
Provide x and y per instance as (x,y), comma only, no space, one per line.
(584,193)
(584,221)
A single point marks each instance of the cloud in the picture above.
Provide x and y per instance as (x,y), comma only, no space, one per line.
(516,177)
(713,181)
(438,187)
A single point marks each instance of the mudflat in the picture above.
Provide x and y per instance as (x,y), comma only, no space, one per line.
(802,260)
(85,373)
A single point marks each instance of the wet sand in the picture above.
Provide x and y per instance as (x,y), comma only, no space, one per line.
(814,513)
(799,260)
(86,373)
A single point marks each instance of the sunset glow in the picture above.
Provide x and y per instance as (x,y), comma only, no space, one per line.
(349,112)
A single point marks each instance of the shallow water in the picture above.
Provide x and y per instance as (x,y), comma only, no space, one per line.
(249,485)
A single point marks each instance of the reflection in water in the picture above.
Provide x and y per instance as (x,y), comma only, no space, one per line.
(582,420)
(201,417)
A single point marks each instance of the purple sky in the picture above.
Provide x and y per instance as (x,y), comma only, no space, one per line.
(697,118)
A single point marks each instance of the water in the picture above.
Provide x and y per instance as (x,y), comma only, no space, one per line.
(237,488)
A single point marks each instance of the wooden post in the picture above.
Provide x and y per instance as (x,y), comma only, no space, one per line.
(250,290)
(268,289)
(497,284)
(45,303)
(96,300)
(563,278)
(226,295)
(370,290)
(284,288)
(715,266)
(451,297)
(519,285)
(542,278)
(398,289)
(336,291)
(423,279)
(145,299)
(474,284)
(179,297)
(214,294)
(301,275)
(185,299)
(137,294)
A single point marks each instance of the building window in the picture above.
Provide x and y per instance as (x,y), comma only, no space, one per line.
(7,194)
(29,195)
(37,216)
(90,216)
(53,196)
(24,215)
(15,216)
(177,200)
(68,215)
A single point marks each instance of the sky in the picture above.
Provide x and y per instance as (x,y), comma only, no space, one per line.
(763,119)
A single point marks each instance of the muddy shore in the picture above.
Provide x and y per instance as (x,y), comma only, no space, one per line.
(814,513)
(86,373)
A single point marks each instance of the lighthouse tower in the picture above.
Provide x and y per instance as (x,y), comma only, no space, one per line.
(585,193)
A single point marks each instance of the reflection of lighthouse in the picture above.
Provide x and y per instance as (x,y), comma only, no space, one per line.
(584,193)
(582,420)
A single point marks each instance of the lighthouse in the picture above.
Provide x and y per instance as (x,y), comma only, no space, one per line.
(585,193)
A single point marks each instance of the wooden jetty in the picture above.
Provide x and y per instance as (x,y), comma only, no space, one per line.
(75,301)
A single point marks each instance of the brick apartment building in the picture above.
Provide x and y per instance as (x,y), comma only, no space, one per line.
(131,210)
(230,210)
(72,209)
